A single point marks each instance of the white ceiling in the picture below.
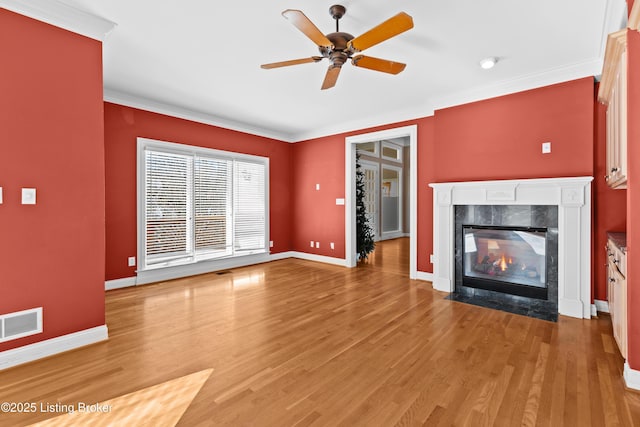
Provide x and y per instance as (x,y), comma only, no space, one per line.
(201,59)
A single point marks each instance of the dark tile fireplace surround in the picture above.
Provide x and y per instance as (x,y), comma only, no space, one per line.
(543,217)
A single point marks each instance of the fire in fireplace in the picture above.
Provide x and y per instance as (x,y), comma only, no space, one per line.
(510,260)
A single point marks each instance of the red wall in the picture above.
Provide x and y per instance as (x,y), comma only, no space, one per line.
(51,138)
(315,213)
(633,199)
(610,206)
(124,124)
(501,138)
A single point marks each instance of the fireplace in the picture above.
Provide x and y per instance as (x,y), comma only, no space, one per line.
(510,260)
(562,205)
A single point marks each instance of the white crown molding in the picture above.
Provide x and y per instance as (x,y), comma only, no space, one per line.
(122,98)
(42,349)
(62,15)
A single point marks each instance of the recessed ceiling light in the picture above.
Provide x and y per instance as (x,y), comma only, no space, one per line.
(488,63)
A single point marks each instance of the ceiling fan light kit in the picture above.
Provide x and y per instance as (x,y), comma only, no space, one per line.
(339,46)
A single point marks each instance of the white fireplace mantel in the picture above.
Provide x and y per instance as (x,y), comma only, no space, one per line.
(573,198)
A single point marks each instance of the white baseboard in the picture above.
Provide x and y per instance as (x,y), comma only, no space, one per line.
(319,258)
(119,283)
(176,272)
(602,306)
(423,275)
(31,352)
(631,377)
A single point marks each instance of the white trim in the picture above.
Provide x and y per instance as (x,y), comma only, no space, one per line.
(62,15)
(121,98)
(177,272)
(602,306)
(350,191)
(572,196)
(319,258)
(422,275)
(201,267)
(39,350)
(631,377)
(125,282)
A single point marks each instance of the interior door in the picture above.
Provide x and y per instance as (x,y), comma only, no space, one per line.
(371,195)
(391,187)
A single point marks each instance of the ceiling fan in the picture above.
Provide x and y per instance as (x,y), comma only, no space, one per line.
(339,46)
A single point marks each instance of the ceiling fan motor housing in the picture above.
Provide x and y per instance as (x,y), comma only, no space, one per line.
(340,51)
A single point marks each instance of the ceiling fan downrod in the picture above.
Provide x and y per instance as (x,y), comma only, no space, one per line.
(337,11)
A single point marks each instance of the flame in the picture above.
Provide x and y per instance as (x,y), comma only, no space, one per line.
(503,263)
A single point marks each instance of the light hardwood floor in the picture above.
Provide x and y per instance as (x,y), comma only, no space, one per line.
(295,342)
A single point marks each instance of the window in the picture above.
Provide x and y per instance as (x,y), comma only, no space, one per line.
(200,204)
(391,151)
(369,148)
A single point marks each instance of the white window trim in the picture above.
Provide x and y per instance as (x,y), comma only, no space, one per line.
(196,267)
(396,147)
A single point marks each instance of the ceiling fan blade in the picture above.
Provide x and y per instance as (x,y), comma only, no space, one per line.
(378,64)
(389,28)
(331,77)
(304,24)
(291,62)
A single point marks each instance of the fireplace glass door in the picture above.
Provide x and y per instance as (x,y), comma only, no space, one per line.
(505,259)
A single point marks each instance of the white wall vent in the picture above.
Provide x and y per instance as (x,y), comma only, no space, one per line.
(20,324)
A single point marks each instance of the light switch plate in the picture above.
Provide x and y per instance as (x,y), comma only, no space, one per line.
(317,186)
(317,245)
(270,243)
(546,147)
(0,195)
(28,196)
(339,201)
(131,261)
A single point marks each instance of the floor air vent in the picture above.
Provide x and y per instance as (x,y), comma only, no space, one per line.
(20,324)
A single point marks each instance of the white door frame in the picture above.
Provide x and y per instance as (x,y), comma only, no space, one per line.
(350,190)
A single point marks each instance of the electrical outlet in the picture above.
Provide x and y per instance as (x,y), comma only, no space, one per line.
(317,245)
(432,259)
(270,243)
(311,243)
(0,195)
(317,187)
(332,246)
(546,147)
(132,261)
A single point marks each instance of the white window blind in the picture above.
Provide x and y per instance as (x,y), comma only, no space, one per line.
(167,206)
(201,204)
(249,206)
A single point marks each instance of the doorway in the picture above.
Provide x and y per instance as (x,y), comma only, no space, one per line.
(350,155)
